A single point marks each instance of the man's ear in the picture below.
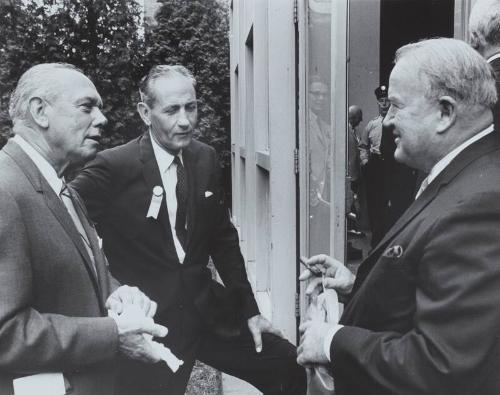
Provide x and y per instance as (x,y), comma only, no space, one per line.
(38,111)
(144,111)
(448,113)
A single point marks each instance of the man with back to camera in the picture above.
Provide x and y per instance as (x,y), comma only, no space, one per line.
(484,33)
(158,204)
(55,288)
(423,314)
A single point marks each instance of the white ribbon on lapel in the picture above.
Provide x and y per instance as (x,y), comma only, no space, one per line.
(156,199)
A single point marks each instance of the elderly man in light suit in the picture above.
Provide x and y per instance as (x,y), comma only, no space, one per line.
(55,288)
(423,315)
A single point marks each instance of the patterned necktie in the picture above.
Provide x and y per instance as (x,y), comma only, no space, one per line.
(67,199)
(182,197)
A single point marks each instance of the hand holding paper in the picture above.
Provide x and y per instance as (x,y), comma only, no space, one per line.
(136,333)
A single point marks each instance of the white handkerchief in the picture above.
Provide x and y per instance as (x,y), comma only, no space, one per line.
(208,193)
(43,383)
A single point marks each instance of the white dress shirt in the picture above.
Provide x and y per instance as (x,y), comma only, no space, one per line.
(168,172)
(445,161)
(48,172)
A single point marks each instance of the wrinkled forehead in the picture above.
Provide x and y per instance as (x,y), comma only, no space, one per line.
(405,78)
(175,89)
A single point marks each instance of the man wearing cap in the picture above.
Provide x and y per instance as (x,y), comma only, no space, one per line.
(372,166)
(423,315)
(158,204)
(484,32)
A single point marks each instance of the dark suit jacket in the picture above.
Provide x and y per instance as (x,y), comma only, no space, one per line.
(52,314)
(117,189)
(426,319)
(495,64)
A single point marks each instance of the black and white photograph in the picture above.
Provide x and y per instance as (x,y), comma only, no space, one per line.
(249,197)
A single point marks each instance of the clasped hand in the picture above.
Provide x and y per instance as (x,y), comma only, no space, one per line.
(132,311)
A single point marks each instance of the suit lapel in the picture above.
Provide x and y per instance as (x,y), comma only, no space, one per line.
(152,177)
(100,265)
(479,148)
(53,203)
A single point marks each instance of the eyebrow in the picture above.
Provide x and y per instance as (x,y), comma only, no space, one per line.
(167,105)
(94,100)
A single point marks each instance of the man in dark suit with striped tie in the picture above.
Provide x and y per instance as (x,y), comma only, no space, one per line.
(158,204)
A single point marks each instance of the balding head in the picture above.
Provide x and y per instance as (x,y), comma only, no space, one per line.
(355,115)
(484,27)
(42,81)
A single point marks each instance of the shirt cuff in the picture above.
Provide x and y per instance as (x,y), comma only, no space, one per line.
(328,340)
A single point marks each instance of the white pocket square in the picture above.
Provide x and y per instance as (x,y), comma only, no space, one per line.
(393,252)
(208,193)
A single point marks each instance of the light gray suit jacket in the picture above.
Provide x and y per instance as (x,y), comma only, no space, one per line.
(52,313)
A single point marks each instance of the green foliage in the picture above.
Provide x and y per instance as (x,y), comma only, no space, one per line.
(106,40)
(194,33)
(99,36)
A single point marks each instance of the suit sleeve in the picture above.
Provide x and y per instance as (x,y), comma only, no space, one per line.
(457,317)
(226,254)
(31,341)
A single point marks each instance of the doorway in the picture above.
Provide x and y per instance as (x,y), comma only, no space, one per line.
(378,189)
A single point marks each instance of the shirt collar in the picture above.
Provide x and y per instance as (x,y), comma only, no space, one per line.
(48,172)
(163,158)
(445,161)
(493,57)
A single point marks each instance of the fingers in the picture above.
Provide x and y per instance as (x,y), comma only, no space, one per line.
(114,305)
(257,339)
(153,329)
(335,283)
(313,284)
(153,306)
(306,274)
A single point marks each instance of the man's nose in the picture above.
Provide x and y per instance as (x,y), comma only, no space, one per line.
(183,121)
(388,119)
(99,118)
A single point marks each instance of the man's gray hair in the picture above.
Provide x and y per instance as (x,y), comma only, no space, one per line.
(147,95)
(484,24)
(452,68)
(37,81)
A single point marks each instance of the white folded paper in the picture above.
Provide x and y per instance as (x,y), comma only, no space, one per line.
(164,352)
(40,384)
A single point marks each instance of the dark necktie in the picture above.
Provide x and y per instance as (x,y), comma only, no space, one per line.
(182,197)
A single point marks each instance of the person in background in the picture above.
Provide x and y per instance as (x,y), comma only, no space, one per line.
(372,167)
